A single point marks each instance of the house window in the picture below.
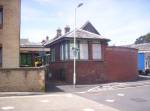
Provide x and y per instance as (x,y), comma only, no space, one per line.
(52,55)
(64,52)
(67,51)
(0,57)
(26,59)
(96,48)
(84,51)
(1,16)
(72,50)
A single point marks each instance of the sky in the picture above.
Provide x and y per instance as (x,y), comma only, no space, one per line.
(121,21)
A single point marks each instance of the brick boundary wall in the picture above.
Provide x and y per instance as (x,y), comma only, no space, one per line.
(22,79)
(121,63)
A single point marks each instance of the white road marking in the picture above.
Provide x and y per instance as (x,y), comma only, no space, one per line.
(88,109)
(44,101)
(120,94)
(7,108)
(69,95)
(81,92)
(110,100)
(95,88)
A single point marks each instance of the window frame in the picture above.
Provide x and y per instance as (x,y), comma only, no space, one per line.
(53,55)
(100,48)
(64,51)
(84,42)
(70,48)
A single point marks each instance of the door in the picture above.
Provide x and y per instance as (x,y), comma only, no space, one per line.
(141,64)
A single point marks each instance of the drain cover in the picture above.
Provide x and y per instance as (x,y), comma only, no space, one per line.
(138,99)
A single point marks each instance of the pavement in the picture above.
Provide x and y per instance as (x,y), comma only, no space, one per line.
(51,102)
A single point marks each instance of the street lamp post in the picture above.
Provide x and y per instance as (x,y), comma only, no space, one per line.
(75,48)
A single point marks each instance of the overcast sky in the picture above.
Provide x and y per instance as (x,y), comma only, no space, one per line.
(122,21)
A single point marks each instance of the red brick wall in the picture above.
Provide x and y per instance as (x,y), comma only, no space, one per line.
(87,71)
(118,64)
(121,63)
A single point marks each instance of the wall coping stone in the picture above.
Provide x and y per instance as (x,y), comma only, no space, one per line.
(24,68)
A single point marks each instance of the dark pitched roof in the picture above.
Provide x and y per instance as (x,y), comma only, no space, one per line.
(80,33)
(89,27)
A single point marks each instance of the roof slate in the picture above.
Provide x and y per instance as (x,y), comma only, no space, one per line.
(89,27)
(83,32)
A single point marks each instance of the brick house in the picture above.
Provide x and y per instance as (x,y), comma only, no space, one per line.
(9,33)
(96,61)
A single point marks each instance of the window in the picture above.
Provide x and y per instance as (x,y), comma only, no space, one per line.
(96,48)
(52,55)
(64,52)
(84,51)
(72,50)
(67,51)
(1,16)
(26,59)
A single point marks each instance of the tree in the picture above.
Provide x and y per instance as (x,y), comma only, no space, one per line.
(143,39)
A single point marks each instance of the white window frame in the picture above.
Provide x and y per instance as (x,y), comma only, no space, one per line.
(62,52)
(66,51)
(84,51)
(96,51)
(71,53)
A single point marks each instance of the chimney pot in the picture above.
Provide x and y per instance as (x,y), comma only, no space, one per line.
(58,32)
(67,29)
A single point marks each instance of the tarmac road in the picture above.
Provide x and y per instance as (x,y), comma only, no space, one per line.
(126,99)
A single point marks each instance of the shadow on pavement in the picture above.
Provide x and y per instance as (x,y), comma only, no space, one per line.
(143,77)
(64,87)
(52,87)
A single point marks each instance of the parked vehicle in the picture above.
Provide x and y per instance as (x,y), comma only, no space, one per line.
(144,62)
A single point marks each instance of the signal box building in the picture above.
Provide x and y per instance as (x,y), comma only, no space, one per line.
(96,61)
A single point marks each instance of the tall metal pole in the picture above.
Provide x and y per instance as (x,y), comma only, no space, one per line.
(75,48)
(74,60)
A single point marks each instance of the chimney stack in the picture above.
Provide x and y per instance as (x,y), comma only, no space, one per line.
(58,32)
(47,38)
(67,29)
